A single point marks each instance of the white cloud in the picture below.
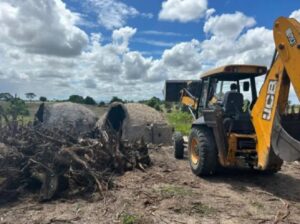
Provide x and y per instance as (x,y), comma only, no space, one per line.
(183,10)
(184,57)
(104,69)
(90,83)
(121,37)
(103,61)
(157,74)
(113,13)
(229,25)
(296,15)
(42,27)
(154,42)
(209,12)
(135,65)
(147,15)
(258,37)
(93,72)
(161,33)
(229,43)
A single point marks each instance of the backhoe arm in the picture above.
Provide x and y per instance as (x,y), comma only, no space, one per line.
(287,40)
(270,106)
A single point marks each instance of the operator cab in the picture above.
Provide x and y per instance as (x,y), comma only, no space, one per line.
(232,90)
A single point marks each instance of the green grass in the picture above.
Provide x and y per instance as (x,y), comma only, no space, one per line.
(181,121)
(129,218)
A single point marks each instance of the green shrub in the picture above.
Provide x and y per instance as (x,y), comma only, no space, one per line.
(129,218)
(89,101)
(14,109)
(181,121)
(76,99)
(17,107)
(101,104)
(116,99)
(43,98)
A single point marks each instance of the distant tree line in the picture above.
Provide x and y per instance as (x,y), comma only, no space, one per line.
(80,99)
(153,102)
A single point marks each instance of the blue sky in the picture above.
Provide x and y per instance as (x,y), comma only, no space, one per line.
(128,48)
(265,12)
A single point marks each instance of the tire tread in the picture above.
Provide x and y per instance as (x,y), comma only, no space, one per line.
(207,150)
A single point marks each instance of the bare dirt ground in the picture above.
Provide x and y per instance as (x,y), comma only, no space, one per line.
(169,193)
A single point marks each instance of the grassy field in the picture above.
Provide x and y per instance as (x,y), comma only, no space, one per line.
(181,121)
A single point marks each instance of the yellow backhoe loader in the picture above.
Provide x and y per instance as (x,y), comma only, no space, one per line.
(234,126)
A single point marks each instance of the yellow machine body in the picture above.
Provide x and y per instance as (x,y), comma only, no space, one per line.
(271,102)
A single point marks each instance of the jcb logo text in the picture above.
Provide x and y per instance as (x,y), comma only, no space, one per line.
(269,100)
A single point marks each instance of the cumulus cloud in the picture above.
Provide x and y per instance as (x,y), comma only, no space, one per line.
(209,12)
(258,37)
(184,56)
(183,10)
(135,65)
(105,68)
(42,27)
(113,14)
(229,25)
(156,74)
(296,15)
(26,63)
(103,62)
(229,44)
(121,36)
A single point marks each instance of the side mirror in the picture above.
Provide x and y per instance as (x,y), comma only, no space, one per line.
(246,86)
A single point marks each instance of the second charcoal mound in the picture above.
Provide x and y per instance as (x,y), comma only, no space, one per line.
(135,121)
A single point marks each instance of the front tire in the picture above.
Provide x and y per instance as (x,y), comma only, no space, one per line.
(178,144)
(202,152)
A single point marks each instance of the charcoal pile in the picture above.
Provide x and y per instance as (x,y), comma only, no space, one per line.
(53,163)
(135,121)
(68,117)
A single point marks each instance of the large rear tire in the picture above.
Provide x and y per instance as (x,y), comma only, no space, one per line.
(178,144)
(202,152)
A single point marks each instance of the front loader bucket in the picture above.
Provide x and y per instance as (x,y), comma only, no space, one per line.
(284,145)
(173,88)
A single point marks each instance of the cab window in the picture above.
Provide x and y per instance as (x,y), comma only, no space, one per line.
(222,88)
(204,93)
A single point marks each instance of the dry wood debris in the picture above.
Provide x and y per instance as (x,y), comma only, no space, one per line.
(55,164)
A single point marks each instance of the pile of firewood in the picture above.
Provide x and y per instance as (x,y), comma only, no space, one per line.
(55,164)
